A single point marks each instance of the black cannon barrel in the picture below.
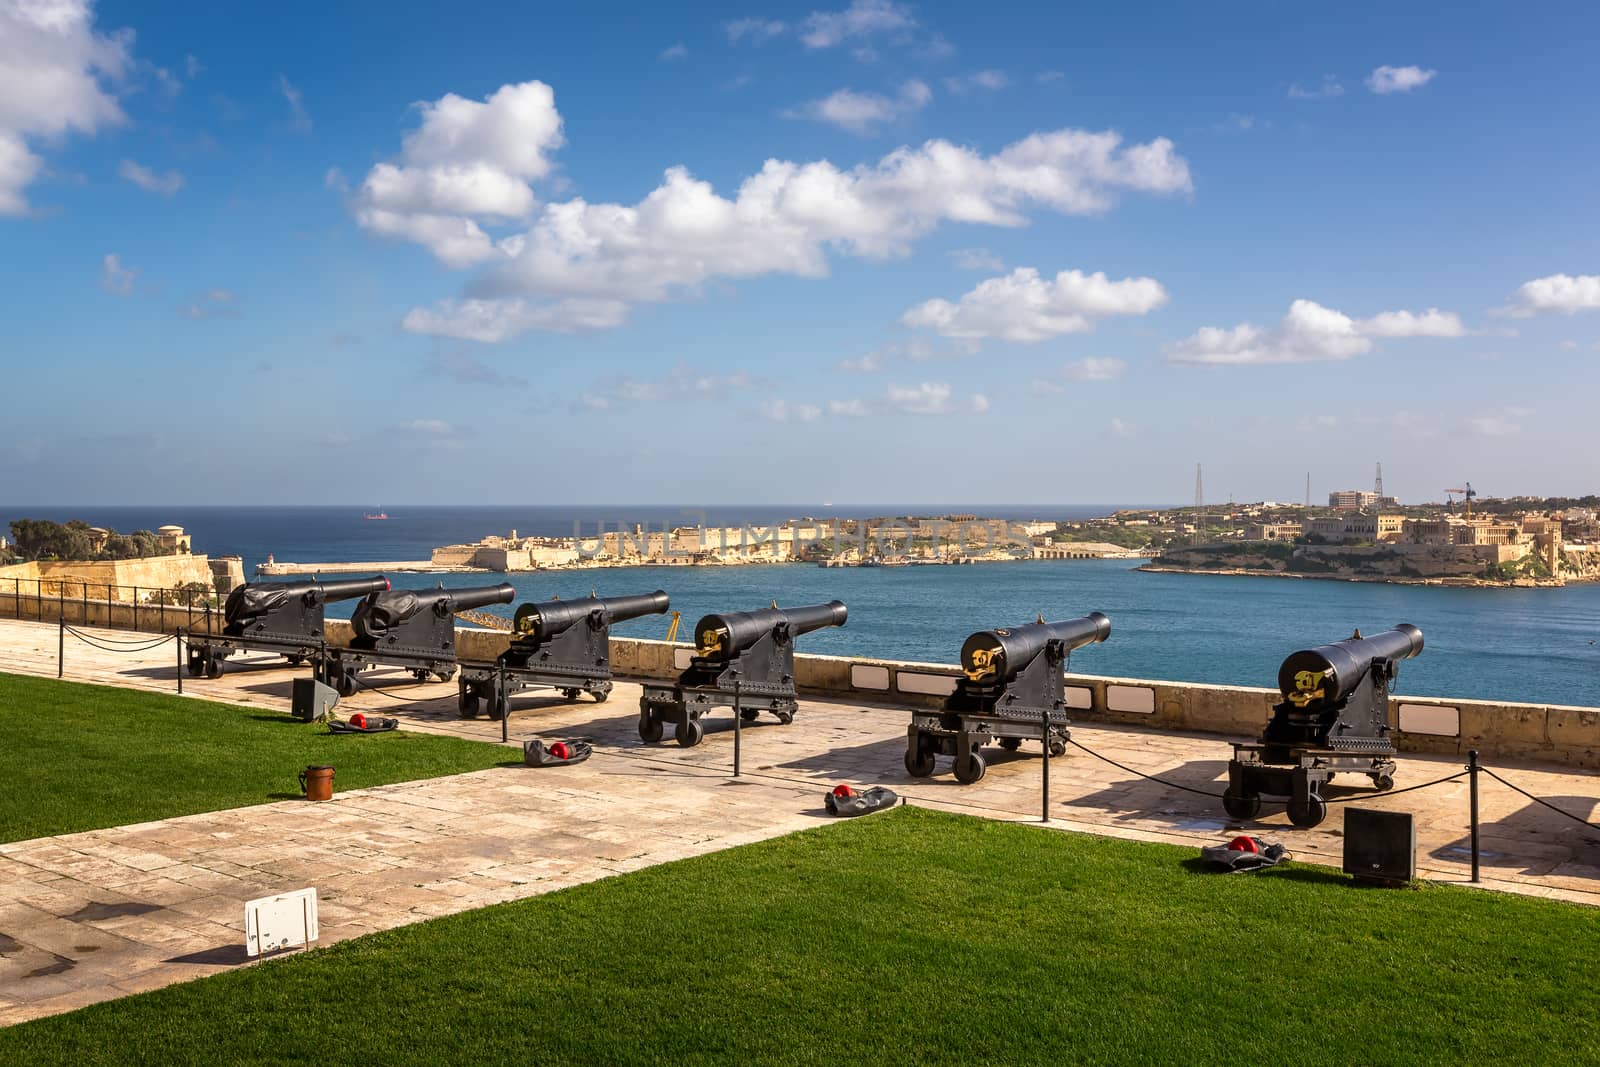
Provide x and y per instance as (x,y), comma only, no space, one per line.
(254,599)
(383,611)
(998,656)
(1330,673)
(552,617)
(723,636)
(475,597)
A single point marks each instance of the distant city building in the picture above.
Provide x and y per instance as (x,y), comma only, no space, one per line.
(173,541)
(1352,499)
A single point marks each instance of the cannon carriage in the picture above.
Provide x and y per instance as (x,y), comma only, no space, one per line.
(282,617)
(742,659)
(1012,689)
(557,644)
(409,628)
(1334,717)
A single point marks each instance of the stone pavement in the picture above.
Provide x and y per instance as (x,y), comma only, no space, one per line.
(92,916)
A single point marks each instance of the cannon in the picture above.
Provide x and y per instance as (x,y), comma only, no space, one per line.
(743,659)
(282,617)
(1012,689)
(557,644)
(410,628)
(1334,716)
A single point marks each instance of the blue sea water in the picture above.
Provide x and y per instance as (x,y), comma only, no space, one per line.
(1536,645)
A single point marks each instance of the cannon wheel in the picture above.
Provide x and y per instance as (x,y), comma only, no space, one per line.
(1057,748)
(749,714)
(467,703)
(420,674)
(920,762)
(1383,781)
(1010,744)
(689,733)
(600,695)
(499,706)
(196,667)
(346,684)
(971,769)
(1309,814)
(213,667)
(785,717)
(649,727)
(294,661)
(1241,805)
(571,694)
(446,674)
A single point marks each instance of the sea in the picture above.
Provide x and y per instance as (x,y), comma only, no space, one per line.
(1530,645)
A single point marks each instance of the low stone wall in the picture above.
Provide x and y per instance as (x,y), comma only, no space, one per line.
(1549,733)
(114,577)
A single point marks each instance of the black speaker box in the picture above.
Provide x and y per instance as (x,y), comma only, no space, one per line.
(1380,846)
(312,700)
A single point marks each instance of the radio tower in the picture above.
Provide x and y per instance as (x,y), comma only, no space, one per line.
(1199,491)
(1308,489)
(1377,483)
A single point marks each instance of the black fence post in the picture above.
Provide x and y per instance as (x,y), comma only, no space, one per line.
(108,605)
(61,647)
(177,642)
(738,727)
(502,703)
(1472,767)
(1046,813)
(136,608)
(85,611)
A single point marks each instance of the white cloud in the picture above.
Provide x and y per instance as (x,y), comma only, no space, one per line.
(1313,423)
(333,178)
(1091,369)
(115,278)
(1025,308)
(1386,79)
(1569,345)
(431,427)
(1050,77)
(930,398)
(1327,90)
(1094,370)
(784,411)
(212,304)
(151,182)
(577,257)
(52,65)
(1562,293)
(680,383)
(468,162)
(861,113)
(914,350)
(1119,428)
(493,321)
(674,53)
(976,259)
(1309,333)
(1505,422)
(299,120)
(192,66)
(978,79)
(754,30)
(1430,323)
(863,18)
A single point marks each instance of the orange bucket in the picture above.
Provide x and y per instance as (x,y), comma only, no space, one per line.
(316,782)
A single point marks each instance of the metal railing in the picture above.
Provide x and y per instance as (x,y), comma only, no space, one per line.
(107,604)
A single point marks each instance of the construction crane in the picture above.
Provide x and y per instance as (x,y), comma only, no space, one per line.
(1466,494)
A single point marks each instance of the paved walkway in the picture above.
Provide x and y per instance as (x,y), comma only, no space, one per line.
(92,916)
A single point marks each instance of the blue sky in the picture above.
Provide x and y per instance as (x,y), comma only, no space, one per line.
(848,252)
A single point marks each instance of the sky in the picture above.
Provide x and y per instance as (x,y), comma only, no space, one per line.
(845,251)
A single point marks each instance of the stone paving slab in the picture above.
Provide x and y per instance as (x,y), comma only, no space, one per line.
(96,915)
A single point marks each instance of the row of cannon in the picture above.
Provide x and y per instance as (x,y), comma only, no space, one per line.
(1333,716)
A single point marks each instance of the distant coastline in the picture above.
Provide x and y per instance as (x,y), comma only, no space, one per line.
(1155,567)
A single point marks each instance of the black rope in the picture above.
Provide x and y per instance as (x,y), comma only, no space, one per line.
(1394,792)
(1141,774)
(112,640)
(93,643)
(1535,799)
(369,687)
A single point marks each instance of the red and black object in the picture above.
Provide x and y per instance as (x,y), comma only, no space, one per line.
(535,753)
(847,803)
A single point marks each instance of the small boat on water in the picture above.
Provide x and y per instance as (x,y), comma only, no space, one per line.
(377,515)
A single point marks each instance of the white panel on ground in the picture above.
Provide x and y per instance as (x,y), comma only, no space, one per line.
(1080,697)
(1136,699)
(288,920)
(867,676)
(1430,719)
(935,685)
(681,657)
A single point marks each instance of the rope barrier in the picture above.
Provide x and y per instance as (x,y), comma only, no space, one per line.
(369,687)
(94,643)
(1536,800)
(1141,774)
(1395,792)
(112,640)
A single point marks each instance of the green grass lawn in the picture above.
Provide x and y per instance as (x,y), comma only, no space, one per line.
(907,937)
(81,757)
